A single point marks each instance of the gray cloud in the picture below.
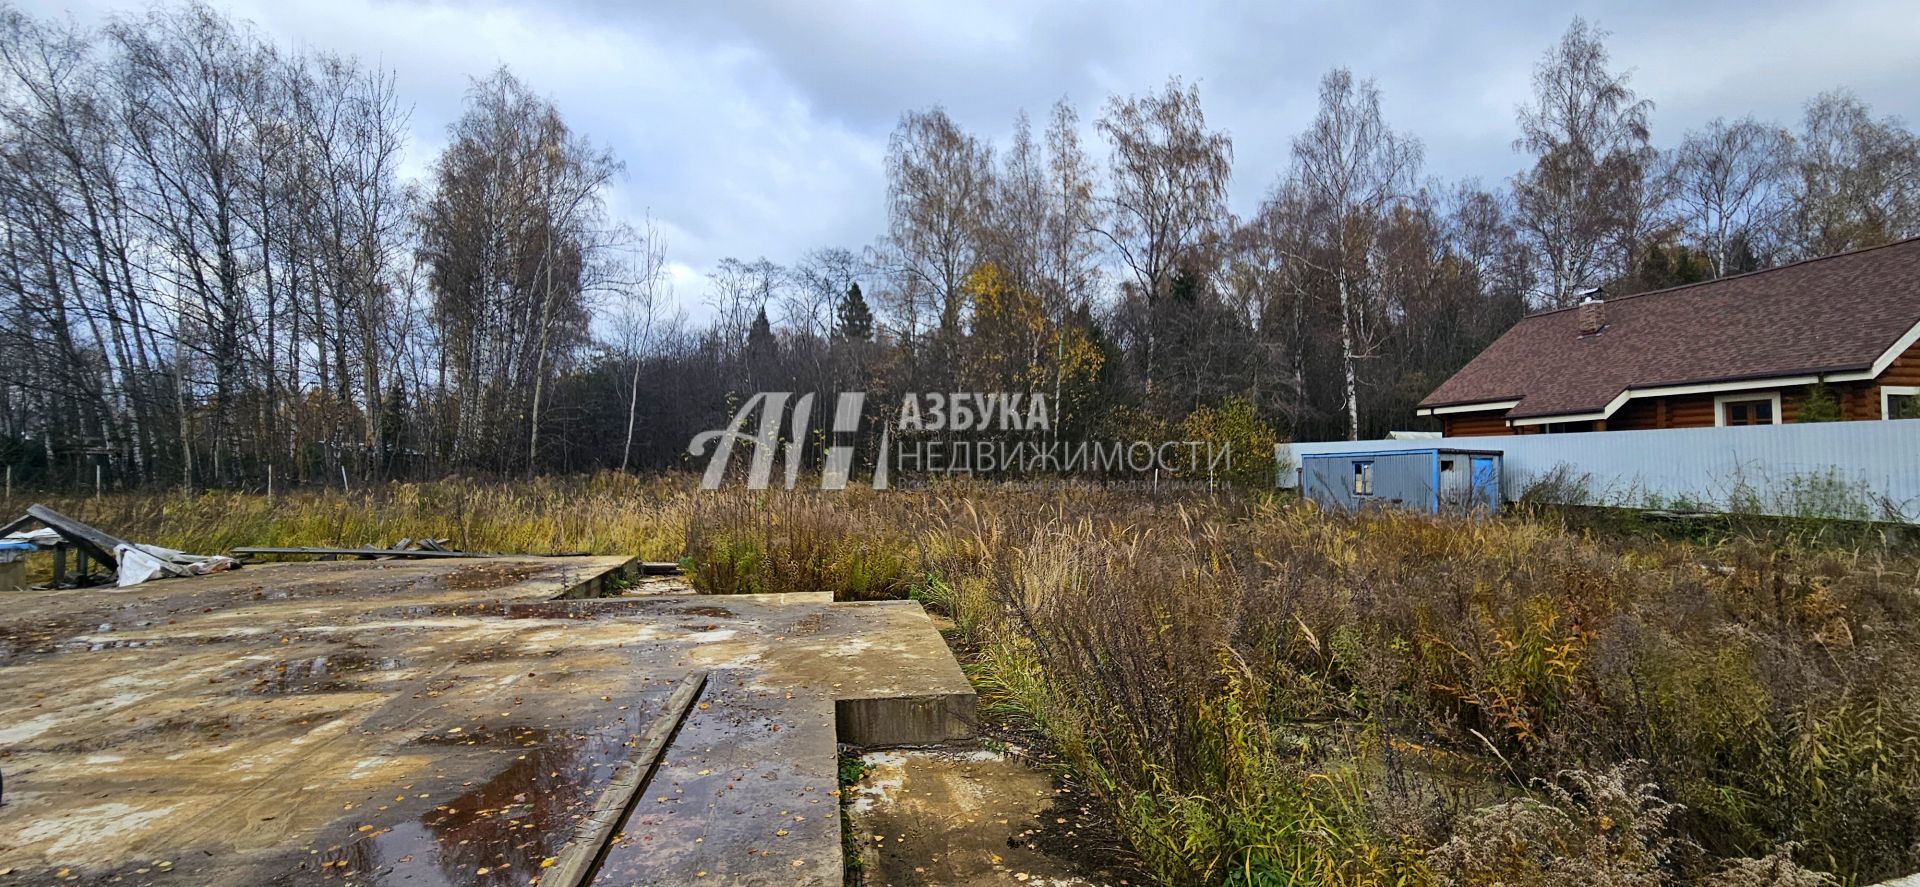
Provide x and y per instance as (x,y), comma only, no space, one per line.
(758,128)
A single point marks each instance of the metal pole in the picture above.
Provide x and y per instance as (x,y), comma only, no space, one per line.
(269,481)
(343,479)
(96,481)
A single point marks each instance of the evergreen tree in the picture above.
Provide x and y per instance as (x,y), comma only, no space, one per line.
(1820,406)
(760,340)
(855,319)
(763,350)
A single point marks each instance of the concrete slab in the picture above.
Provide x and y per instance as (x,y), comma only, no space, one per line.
(298,721)
(746,795)
(440,722)
(891,675)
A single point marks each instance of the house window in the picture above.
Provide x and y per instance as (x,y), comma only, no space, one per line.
(1363,478)
(1747,409)
(1748,412)
(1900,402)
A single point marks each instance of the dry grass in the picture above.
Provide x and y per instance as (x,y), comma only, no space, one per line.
(1268,695)
(606,514)
(1261,694)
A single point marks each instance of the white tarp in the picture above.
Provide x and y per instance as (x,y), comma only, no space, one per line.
(139,563)
(44,537)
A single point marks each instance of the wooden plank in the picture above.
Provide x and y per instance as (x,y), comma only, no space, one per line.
(17,524)
(364,552)
(371,553)
(95,542)
(579,857)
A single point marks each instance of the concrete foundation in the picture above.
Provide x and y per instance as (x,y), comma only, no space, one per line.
(442,722)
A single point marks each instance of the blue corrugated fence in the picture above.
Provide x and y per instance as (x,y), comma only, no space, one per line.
(1859,470)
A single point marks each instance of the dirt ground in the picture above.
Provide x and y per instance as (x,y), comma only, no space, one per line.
(976,817)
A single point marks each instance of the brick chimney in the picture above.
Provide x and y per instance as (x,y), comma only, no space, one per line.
(1593,312)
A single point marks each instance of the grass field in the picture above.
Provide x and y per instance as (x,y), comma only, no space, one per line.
(1262,694)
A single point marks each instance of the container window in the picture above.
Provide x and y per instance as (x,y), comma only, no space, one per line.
(1363,478)
(1446,464)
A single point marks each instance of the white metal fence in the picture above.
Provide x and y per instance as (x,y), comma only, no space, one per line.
(1858,470)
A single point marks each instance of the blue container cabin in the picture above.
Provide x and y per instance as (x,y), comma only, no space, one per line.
(1437,481)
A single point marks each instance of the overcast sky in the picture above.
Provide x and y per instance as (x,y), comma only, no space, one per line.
(759,128)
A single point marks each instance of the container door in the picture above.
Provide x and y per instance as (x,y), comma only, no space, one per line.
(1456,488)
(1486,482)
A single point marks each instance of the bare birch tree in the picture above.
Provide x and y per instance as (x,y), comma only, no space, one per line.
(638,306)
(1168,175)
(1730,188)
(939,180)
(515,233)
(1583,202)
(1351,165)
(1858,181)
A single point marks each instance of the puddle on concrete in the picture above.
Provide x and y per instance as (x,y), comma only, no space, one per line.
(506,649)
(963,817)
(486,576)
(331,673)
(499,831)
(712,612)
(520,736)
(184,732)
(733,800)
(38,637)
(572,608)
(440,611)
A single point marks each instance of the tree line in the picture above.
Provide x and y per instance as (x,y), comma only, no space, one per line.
(213,270)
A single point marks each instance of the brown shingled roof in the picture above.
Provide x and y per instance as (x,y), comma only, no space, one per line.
(1833,314)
